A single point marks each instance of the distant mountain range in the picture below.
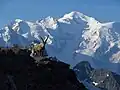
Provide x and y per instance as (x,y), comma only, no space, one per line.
(73,38)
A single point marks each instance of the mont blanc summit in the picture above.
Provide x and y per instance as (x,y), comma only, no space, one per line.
(73,37)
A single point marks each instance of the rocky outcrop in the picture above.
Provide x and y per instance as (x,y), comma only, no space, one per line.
(19,71)
(100,78)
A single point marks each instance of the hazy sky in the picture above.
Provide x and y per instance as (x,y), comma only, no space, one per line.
(104,10)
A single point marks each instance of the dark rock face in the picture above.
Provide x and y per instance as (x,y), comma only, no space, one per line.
(18,71)
(83,70)
(103,79)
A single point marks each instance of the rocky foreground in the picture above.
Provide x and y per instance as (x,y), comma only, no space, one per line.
(19,71)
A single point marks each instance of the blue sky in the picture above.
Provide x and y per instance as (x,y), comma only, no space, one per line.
(103,10)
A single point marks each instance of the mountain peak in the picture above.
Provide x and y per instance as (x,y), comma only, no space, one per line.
(74,14)
(48,22)
(76,17)
(18,20)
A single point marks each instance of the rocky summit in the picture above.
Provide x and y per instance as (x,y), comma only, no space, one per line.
(19,71)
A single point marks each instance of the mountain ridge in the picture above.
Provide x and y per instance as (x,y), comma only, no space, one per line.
(73,38)
(99,78)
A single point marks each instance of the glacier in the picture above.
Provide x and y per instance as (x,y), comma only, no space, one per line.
(73,37)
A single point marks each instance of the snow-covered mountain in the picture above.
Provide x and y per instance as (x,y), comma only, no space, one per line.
(73,38)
